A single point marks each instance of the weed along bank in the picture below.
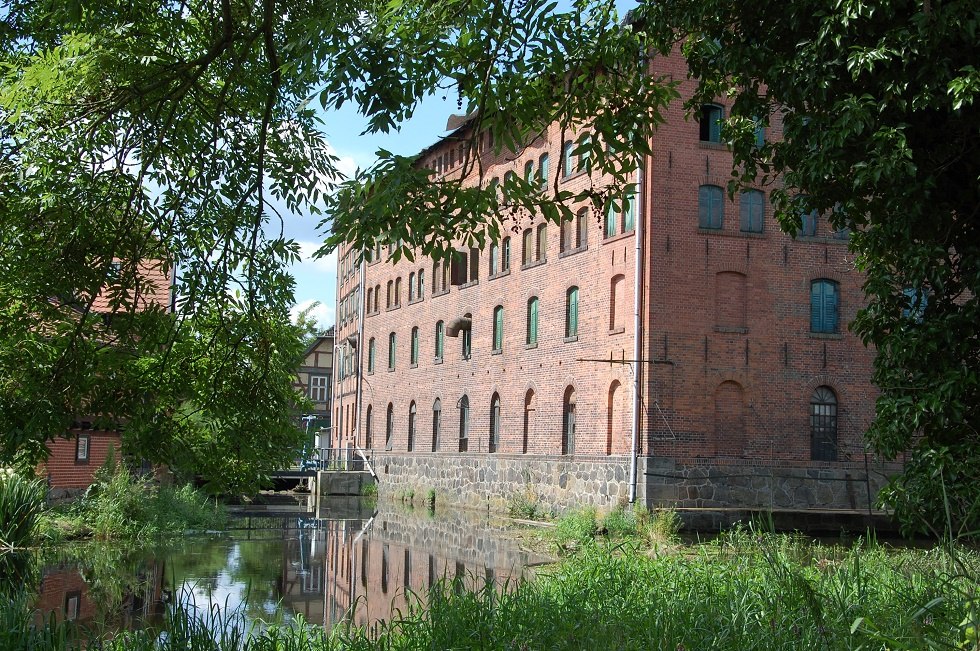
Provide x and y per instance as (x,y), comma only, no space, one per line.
(671,346)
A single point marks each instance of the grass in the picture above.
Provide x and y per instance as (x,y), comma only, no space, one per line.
(743,591)
(21,505)
(119,505)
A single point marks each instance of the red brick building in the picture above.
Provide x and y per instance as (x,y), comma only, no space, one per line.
(74,460)
(730,351)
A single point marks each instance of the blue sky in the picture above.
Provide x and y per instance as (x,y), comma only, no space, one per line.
(316,280)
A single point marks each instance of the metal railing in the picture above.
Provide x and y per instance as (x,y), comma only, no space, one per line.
(330,458)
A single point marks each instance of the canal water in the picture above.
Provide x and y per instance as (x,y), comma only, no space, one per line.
(349,562)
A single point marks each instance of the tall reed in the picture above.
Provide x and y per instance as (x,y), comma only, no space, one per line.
(21,503)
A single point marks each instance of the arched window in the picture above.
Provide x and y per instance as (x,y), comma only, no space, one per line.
(498,328)
(420,291)
(494,259)
(710,122)
(711,207)
(390,426)
(566,235)
(368,435)
(824,301)
(568,422)
(617,302)
(581,228)
(436,423)
(543,163)
(377,298)
(440,339)
(370,299)
(567,159)
(528,420)
(371,354)
(527,251)
(411,286)
(436,268)
(398,291)
(494,443)
(415,347)
(464,423)
(411,426)
(391,351)
(614,416)
(529,172)
(389,296)
(823,425)
(466,337)
(751,210)
(474,260)
(505,255)
(532,321)
(585,152)
(542,246)
(571,312)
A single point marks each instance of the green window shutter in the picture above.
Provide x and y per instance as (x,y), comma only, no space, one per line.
(629,212)
(498,328)
(571,318)
(532,321)
(610,225)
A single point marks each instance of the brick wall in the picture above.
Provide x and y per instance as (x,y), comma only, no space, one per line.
(68,475)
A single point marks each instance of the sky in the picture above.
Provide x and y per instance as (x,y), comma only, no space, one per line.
(316,279)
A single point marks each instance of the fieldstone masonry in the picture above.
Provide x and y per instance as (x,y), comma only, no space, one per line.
(557,483)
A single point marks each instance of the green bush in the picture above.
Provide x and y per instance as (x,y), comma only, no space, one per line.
(21,504)
(620,522)
(524,505)
(119,505)
(576,528)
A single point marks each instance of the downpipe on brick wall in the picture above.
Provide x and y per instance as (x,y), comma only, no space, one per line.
(637,294)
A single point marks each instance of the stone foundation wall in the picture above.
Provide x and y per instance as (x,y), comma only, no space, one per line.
(557,483)
(852,487)
(491,481)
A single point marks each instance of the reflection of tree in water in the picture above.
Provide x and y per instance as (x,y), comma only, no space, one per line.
(259,566)
(200,564)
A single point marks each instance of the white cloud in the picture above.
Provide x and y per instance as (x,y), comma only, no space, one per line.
(327,264)
(324,314)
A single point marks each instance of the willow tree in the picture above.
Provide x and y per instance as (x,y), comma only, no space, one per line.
(164,133)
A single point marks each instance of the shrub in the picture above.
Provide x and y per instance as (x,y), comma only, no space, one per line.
(21,503)
(524,505)
(620,522)
(576,528)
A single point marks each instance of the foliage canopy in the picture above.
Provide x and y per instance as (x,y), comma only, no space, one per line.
(162,130)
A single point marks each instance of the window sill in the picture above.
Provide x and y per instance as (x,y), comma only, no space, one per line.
(617,331)
(620,236)
(499,275)
(825,335)
(370,372)
(437,360)
(717,146)
(469,284)
(739,233)
(467,358)
(440,293)
(415,365)
(497,351)
(571,339)
(826,239)
(413,301)
(531,346)
(732,330)
(533,263)
(574,175)
(391,370)
(568,252)
(392,308)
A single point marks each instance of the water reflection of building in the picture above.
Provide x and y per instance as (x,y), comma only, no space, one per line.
(376,565)
(71,592)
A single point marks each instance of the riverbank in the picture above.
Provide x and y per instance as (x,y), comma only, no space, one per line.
(743,590)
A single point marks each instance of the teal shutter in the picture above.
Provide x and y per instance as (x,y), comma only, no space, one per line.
(571,324)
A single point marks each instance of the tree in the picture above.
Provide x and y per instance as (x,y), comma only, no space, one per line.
(156,138)
(881,110)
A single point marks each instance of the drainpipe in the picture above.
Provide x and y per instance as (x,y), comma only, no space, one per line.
(359,348)
(637,331)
